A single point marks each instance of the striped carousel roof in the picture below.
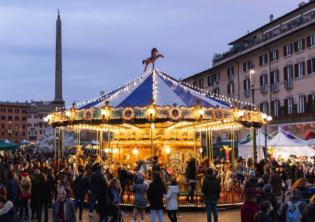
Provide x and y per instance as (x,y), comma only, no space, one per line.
(158,87)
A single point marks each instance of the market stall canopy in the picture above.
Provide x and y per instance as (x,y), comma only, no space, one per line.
(160,88)
(245,147)
(284,146)
(7,145)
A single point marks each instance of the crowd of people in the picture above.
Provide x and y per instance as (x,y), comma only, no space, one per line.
(30,184)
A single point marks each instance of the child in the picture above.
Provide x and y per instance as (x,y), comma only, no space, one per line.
(171,200)
(139,189)
(115,190)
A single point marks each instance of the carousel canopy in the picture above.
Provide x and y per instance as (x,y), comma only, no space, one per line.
(158,87)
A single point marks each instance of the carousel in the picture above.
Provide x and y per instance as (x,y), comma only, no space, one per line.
(157,116)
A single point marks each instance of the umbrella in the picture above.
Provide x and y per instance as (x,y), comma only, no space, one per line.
(7,145)
(24,142)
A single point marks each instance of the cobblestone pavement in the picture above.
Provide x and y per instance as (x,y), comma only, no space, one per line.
(200,216)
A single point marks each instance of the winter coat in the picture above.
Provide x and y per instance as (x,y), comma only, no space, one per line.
(8,213)
(155,194)
(191,171)
(13,190)
(69,211)
(251,183)
(81,185)
(248,211)
(171,197)
(139,190)
(283,213)
(263,217)
(309,213)
(276,183)
(211,188)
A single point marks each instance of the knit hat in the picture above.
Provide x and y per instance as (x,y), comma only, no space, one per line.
(267,188)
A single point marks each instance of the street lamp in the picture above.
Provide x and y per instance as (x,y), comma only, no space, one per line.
(251,79)
(267,119)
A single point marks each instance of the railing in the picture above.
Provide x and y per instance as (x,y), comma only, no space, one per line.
(263,89)
(248,43)
(293,118)
(275,87)
(288,84)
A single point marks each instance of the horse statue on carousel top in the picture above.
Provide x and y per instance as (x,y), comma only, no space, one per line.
(151,60)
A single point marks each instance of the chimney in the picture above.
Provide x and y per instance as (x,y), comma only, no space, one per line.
(301,4)
(271,18)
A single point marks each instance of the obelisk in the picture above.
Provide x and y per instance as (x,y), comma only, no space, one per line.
(58,101)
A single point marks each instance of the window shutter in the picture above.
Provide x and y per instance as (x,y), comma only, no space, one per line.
(291,48)
(294,108)
(286,106)
(228,89)
(303,68)
(232,70)
(285,71)
(313,64)
(265,58)
(260,60)
(271,78)
(261,80)
(291,71)
(270,56)
(308,41)
(284,50)
(244,84)
(277,54)
(244,66)
(272,106)
(296,70)
(303,44)
(277,76)
(261,107)
(309,66)
(296,46)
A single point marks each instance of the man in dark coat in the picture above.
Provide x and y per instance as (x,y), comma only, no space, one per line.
(81,187)
(155,194)
(211,190)
(191,177)
(45,190)
(276,182)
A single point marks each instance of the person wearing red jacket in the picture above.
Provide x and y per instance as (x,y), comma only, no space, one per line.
(250,207)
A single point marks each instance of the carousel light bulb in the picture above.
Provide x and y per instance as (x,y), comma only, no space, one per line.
(241,113)
(269,118)
(115,150)
(68,113)
(264,116)
(106,150)
(151,111)
(135,151)
(201,112)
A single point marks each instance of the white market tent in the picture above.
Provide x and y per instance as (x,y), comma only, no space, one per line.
(282,146)
(245,147)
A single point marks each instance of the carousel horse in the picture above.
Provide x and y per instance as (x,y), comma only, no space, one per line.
(151,60)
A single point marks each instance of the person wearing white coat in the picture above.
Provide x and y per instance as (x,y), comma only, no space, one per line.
(172,201)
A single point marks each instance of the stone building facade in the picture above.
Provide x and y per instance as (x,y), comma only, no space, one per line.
(281,55)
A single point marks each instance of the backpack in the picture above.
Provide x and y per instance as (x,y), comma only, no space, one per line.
(293,212)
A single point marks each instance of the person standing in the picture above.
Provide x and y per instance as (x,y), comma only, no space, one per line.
(250,207)
(63,208)
(139,189)
(171,200)
(191,177)
(81,187)
(7,211)
(25,185)
(309,213)
(155,194)
(211,190)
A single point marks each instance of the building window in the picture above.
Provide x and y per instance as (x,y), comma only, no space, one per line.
(301,105)
(299,45)
(288,104)
(24,111)
(9,110)
(210,80)
(216,91)
(311,102)
(2,126)
(16,118)
(216,78)
(299,70)
(17,111)
(263,59)
(10,118)
(230,73)
(246,86)
(310,41)
(310,66)
(274,80)
(2,117)
(275,107)
(23,126)
(264,107)
(200,86)
(23,134)
(274,55)
(3,110)
(195,83)
(24,118)
(230,89)
(247,66)
(287,50)
(263,80)
(288,76)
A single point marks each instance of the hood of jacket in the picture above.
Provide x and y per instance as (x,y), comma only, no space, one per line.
(6,208)
(174,189)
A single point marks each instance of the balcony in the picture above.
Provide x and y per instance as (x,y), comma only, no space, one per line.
(294,118)
(263,89)
(275,87)
(288,84)
(254,41)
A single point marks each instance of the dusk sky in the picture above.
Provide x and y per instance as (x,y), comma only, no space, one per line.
(104,42)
